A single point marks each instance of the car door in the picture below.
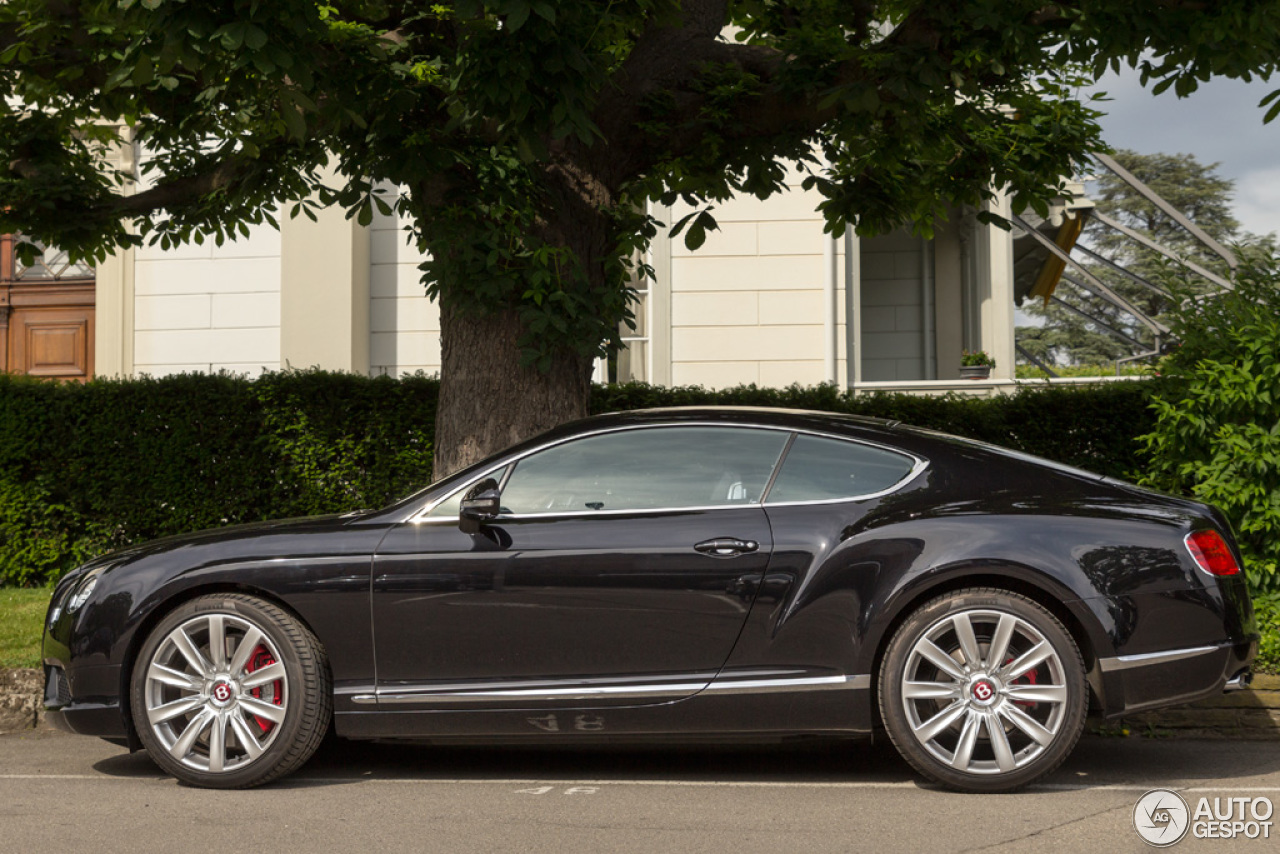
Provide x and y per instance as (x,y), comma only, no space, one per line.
(620,571)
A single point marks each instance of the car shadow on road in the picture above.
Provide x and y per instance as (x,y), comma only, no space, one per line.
(339,761)
(812,761)
(1096,762)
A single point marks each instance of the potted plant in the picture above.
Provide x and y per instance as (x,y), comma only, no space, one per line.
(976,365)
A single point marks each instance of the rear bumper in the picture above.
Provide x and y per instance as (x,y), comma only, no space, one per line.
(1135,683)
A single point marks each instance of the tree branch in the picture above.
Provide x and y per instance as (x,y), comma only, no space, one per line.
(667,60)
(184,191)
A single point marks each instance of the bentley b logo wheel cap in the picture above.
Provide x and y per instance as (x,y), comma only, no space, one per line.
(222,693)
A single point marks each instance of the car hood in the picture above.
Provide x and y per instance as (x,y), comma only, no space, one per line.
(302,536)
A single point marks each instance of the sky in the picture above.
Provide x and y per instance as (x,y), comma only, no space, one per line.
(1220,122)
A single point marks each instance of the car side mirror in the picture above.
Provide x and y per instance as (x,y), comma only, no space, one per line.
(481,503)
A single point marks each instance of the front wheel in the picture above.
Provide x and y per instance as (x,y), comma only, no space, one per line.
(230,691)
(983,691)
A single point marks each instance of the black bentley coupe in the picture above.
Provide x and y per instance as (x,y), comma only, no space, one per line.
(664,574)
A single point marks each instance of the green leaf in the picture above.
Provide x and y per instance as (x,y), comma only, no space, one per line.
(683,221)
(294,121)
(516,18)
(696,236)
(254,37)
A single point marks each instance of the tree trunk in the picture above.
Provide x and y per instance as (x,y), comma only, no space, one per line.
(488,401)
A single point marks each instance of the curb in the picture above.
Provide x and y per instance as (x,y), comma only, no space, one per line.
(1250,715)
(21,699)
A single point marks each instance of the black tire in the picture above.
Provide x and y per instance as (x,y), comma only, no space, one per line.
(980,725)
(263,706)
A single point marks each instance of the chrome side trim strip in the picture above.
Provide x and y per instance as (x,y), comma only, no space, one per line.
(595,689)
(551,689)
(670,689)
(1128,662)
(767,686)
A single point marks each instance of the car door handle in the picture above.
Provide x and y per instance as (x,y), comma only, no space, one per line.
(726,547)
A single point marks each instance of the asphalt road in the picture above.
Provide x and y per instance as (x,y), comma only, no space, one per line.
(71,793)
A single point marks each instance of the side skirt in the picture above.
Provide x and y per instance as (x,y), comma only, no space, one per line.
(709,715)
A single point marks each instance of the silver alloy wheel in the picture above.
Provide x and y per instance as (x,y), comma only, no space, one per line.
(984,692)
(216,693)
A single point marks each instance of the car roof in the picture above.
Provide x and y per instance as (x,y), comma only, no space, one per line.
(796,419)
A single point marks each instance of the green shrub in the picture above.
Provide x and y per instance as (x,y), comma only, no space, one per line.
(1092,427)
(342,442)
(1267,611)
(1217,431)
(1127,369)
(86,468)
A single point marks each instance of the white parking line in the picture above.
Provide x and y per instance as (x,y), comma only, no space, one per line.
(724,784)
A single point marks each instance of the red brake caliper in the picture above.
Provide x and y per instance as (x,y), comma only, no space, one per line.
(261,658)
(1028,679)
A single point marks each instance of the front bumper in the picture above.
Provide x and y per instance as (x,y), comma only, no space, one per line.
(100,716)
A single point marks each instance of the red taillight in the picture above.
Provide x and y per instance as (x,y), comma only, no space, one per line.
(1211,552)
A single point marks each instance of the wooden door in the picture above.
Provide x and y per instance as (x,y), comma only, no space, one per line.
(46,315)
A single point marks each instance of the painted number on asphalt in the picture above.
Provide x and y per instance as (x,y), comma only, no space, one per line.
(581,723)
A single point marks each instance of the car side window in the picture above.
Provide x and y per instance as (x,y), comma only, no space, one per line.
(646,469)
(818,469)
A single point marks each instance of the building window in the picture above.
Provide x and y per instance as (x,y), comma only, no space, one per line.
(52,264)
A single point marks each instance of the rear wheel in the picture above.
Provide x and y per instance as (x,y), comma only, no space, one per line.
(983,691)
(230,691)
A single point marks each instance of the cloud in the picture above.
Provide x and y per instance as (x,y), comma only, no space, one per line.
(1257,202)
(1219,123)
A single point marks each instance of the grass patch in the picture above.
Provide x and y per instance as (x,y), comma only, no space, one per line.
(21,625)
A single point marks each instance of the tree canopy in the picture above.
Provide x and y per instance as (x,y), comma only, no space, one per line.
(523,138)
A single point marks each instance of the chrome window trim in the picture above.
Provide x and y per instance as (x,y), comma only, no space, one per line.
(1147,659)
(919,465)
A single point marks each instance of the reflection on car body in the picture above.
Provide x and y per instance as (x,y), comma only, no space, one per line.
(691,573)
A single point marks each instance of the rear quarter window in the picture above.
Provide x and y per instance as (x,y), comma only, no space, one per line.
(818,469)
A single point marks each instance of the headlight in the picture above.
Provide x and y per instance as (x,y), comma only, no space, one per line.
(84,589)
(83,593)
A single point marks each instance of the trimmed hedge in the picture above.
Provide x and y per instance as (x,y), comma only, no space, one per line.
(1092,427)
(87,468)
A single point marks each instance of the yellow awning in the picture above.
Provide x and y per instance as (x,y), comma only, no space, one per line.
(1051,272)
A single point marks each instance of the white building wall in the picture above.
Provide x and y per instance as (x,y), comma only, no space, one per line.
(207,307)
(404,324)
(747,306)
